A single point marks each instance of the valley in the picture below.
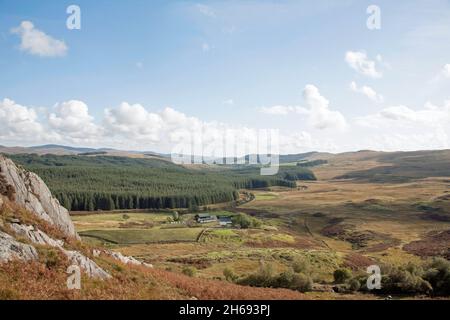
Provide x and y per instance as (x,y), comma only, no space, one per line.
(297,237)
(329,223)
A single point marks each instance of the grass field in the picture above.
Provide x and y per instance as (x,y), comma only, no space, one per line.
(115,220)
(136,236)
(266,196)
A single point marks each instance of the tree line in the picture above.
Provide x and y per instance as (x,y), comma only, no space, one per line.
(83,183)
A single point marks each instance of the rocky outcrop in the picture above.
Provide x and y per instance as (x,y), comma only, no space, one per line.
(11,249)
(126,259)
(28,190)
(86,264)
(36,236)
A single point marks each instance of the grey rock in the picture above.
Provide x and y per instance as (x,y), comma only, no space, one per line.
(34,235)
(39,237)
(126,259)
(11,249)
(86,264)
(33,194)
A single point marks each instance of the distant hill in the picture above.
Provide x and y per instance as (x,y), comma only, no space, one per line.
(46,149)
(375,166)
(68,150)
(61,147)
(395,166)
(56,149)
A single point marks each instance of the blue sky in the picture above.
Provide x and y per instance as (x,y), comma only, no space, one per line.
(229,62)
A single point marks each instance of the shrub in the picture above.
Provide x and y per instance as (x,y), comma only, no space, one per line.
(342,275)
(301,265)
(244,221)
(125,217)
(284,280)
(262,278)
(288,279)
(405,280)
(189,271)
(301,282)
(438,275)
(354,285)
(229,275)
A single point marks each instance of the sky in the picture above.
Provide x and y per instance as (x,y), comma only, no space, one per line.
(143,75)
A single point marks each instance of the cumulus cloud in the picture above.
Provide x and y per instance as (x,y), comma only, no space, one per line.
(134,127)
(133,121)
(446,71)
(319,114)
(36,42)
(358,61)
(434,139)
(430,115)
(282,110)
(19,123)
(297,142)
(71,119)
(367,91)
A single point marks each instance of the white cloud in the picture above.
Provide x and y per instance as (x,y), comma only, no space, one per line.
(205,10)
(319,114)
(367,91)
(429,116)
(359,61)
(133,127)
(133,122)
(283,110)
(441,76)
(297,142)
(434,139)
(19,123)
(139,65)
(71,120)
(36,42)
(446,71)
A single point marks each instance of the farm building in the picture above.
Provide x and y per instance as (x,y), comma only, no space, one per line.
(205,218)
(225,221)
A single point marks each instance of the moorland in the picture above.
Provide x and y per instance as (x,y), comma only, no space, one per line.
(313,228)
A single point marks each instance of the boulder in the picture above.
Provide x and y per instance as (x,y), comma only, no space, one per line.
(34,235)
(11,249)
(28,190)
(126,259)
(86,264)
(37,236)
